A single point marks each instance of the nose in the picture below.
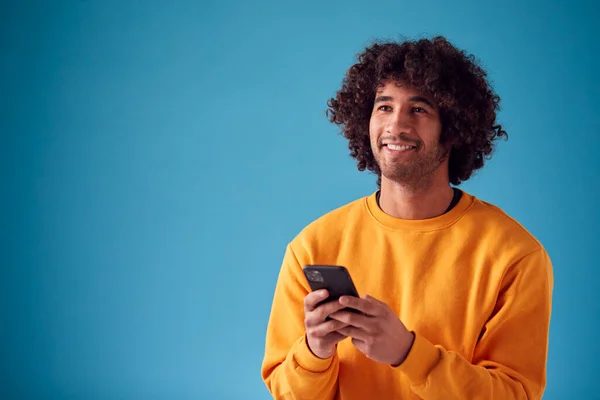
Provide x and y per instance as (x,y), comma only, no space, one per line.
(399,122)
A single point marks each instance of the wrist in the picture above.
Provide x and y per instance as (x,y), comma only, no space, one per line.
(319,354)
(405,350)
(307,360)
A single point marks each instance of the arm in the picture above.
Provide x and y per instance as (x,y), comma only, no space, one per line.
(509,361)
(289,369)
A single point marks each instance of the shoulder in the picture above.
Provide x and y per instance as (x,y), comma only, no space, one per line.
(505,229)
(515,246)
(328,229)
(334,221)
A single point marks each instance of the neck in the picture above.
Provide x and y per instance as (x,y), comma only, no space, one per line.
(408,202)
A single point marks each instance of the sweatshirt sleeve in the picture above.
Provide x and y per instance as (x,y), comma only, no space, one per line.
(290,370)
(509,361)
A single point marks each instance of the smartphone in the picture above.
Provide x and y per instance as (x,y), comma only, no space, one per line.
(335,278)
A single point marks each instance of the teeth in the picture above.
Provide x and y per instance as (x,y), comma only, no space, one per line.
(399,147)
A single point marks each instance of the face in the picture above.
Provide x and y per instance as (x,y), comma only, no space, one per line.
(405,130)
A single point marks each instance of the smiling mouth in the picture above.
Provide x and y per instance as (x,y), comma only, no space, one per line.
(399,147)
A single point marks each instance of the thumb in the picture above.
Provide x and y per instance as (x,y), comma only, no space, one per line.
(372,299)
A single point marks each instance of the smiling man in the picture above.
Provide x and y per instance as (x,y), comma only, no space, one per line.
(456,294)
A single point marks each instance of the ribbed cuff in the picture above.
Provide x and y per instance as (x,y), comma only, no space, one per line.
(307,360)
(421,359)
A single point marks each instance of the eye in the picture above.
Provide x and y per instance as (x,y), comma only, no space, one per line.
(384,108)
(419,110)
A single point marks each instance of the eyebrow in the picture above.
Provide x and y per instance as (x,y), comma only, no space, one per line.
(414,99)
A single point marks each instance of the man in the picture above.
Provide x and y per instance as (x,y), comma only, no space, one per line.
(456,295)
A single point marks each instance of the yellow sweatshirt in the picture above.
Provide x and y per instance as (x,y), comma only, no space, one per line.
(472,284)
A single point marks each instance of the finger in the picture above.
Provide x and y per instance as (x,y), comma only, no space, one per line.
(354,333)
(366,306)
(361,345)
(326,309)
(361,321)
(327,327)
(313,298)
(374,300)
(320,314)
(336,337)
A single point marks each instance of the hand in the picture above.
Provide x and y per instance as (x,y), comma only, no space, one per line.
(321,335)
(378,332)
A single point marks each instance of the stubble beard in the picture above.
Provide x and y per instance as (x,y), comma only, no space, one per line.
(416,174)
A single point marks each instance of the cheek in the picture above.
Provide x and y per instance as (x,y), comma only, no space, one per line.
(374,129)
(431,133)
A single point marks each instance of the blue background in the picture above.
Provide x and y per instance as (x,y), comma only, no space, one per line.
(156,159)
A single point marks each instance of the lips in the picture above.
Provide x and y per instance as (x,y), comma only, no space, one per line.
(400,147)
(397,142)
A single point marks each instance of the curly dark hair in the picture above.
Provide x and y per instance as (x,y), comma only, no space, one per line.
(467,103)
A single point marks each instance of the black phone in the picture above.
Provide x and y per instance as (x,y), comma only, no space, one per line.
(335,278)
